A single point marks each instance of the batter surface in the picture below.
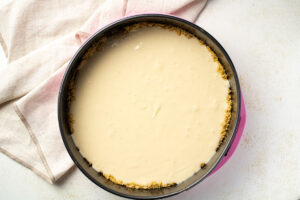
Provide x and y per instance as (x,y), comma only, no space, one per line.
(150,108)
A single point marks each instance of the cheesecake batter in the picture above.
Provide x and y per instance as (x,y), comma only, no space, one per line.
(150,107)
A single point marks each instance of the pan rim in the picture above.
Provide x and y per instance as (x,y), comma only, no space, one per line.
(87,43)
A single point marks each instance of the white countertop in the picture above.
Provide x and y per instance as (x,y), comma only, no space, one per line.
(263,41)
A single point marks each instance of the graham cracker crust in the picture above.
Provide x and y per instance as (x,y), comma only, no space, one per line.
(98,47)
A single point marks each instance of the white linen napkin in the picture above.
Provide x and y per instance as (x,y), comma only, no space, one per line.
(39,38)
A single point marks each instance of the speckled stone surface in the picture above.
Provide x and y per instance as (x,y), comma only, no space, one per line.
(262,38)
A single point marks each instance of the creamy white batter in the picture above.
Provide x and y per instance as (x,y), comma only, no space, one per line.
(150,107)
